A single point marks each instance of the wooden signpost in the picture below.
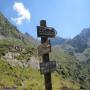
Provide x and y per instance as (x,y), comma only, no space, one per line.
(44,48)
(47,66)
(43,31)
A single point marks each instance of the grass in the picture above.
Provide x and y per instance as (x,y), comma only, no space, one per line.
(26,78)
(72,69)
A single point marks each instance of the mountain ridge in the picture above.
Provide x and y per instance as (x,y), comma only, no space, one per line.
(9,31)
(80,42)
(70,73)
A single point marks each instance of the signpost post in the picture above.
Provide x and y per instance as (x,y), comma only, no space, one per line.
(44,48)
(47,66)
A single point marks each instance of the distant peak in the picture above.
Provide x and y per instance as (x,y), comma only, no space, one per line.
(27,34)
(85,30)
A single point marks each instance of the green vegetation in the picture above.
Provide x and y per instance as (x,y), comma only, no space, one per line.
(71,74)
(87,53)
(72,69)
(28,78)
(10,32)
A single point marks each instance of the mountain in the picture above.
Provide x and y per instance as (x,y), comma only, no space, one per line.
(19,62)
(58,41)
(7,29)
(71,68)
(31,40)
(81,41)
(77,44)
(10,32)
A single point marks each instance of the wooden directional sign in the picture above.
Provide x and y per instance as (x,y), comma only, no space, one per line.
(47,67)
(46,31)
(44,48)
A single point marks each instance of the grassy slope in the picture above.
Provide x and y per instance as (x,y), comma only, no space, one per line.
(11,33)
(26,78)
(72,69)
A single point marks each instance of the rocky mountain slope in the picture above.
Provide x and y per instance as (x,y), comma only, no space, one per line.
(10,32)
(19,62)
(58,41)
(78,46)
(81,41)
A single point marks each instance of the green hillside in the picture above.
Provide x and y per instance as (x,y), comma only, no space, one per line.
(16,69)
(10,32)
(28,78)
(70,68)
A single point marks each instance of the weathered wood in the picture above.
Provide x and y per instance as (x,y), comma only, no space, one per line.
(47,67)
(46,31)
(45,57)
(44,48)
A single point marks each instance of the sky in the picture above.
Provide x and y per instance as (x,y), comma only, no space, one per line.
(68,17)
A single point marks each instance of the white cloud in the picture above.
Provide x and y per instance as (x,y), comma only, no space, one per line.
(23,13)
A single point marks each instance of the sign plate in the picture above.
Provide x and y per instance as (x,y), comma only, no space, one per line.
(46,31)
(44,48)
(47,67)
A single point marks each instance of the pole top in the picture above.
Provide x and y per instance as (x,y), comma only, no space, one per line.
(43,23)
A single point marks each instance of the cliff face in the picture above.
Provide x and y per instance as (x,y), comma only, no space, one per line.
(81,41)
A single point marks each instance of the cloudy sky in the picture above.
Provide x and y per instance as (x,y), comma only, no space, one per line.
(68,17)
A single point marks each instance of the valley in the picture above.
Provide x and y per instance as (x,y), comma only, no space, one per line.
(19,60)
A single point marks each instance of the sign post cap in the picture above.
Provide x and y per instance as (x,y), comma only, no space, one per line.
(43,23)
